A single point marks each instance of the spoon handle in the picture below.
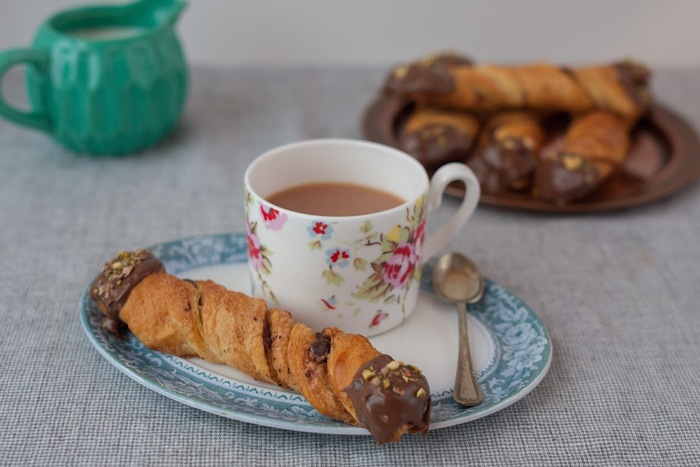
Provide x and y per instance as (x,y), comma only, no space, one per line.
(467,391)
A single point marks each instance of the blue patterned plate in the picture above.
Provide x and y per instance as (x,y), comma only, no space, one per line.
(510,346)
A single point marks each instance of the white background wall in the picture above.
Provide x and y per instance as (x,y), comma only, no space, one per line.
(381,32)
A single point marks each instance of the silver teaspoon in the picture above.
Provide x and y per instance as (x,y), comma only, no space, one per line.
(457,279)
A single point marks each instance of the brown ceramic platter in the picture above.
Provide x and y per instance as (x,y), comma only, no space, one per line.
(664,158)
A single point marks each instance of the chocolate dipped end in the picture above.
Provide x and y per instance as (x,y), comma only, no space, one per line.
(565,177)
(634,78)
(404,80)
(111,289)
(390,398)
(513,159)
(435,145)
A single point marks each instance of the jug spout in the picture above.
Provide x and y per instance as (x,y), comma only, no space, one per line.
(163,12)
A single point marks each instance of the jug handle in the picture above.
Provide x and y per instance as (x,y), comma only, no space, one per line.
(40,61)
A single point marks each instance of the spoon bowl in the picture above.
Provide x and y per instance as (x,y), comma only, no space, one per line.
(457,279)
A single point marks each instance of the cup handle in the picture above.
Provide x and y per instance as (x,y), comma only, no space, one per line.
(445,175)
(40,61)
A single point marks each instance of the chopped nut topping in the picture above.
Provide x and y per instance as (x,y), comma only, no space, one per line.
(118,269)
(421,393)
(508,143)
(393,365)
(400,71)
(572,161)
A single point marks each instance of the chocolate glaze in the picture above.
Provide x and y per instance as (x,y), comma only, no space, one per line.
(430,74)
(634,78)
(489,179)
(111,289)
(319,349)
(556,182)
(435,145)
(511,160)
(408,79)
(388,395)
(646,156)
(267,335)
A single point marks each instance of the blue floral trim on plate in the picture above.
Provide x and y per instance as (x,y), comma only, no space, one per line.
(522,356)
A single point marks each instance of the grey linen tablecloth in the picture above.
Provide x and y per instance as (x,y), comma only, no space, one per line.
(618,291)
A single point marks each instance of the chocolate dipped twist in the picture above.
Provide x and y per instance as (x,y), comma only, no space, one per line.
(621,88)
(508,150)
(438,136)
(110,290)
(594,147)
(386,394)
(204,319)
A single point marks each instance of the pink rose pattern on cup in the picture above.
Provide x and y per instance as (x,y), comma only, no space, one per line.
(259,254)
(389,275)
(397,266)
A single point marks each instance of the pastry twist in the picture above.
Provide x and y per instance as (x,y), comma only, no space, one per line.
(437,136)
(594,147)
(508,150)
(341,375)
(620,88)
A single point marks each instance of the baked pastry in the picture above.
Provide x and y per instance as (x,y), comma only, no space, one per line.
(595,145)
(437,136)
(508,150)
(620,88)
(341,375)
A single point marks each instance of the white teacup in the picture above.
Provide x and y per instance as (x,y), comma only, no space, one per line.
(358,272)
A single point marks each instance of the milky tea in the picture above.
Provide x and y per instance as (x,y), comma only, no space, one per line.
(335,199)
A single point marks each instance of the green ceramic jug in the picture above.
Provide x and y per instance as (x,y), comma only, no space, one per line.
(104,80)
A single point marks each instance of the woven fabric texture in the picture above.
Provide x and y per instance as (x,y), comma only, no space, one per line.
(619,292)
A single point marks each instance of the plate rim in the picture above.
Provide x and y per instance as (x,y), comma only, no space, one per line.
(325,425)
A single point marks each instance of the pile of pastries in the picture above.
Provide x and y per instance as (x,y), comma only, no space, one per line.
(505,122)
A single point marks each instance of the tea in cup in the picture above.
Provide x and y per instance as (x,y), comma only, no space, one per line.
(336,230)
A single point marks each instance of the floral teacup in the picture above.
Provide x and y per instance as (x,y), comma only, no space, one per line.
(359,272)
